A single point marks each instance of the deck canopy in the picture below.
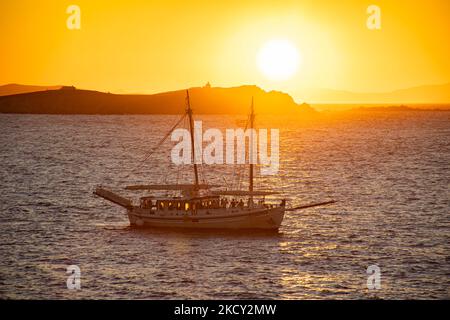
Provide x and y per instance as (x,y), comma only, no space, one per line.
(243,193)
(201,198)
(169,187)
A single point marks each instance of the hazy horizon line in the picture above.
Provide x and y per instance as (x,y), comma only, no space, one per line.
(298,101)
(237,85)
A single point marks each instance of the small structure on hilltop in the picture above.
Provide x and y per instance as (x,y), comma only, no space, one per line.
(68,88)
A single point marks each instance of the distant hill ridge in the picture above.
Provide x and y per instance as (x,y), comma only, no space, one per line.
(14,88)
(428,94)
(204,100)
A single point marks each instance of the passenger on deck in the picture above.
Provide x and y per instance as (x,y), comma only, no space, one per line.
(224,203)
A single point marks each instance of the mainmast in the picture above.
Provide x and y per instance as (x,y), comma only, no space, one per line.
(191,129)
(252,118)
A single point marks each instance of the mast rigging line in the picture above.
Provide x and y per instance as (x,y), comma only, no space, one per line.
(152,151)
(238,173)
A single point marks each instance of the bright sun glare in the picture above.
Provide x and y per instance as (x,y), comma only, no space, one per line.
(278,60)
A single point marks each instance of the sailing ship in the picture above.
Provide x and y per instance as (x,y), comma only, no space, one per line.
(201,206)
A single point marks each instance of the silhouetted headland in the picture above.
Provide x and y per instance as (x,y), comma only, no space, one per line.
(14,88)
(205,100)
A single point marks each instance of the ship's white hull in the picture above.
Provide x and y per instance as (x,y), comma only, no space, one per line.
(260,218)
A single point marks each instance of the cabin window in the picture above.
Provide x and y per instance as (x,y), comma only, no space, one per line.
(147,203)
(186,206)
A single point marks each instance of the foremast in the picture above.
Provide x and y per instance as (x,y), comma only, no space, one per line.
(252,119)
(191,129)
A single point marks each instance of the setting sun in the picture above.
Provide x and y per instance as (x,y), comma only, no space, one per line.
(278,60)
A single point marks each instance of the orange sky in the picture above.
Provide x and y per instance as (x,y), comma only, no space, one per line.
(151,46)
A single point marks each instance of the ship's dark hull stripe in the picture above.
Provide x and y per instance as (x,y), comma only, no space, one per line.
(198,218)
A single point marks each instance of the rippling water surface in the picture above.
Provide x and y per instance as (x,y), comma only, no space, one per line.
(390,173)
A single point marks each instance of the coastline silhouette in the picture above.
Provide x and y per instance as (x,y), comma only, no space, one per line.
(208,100)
